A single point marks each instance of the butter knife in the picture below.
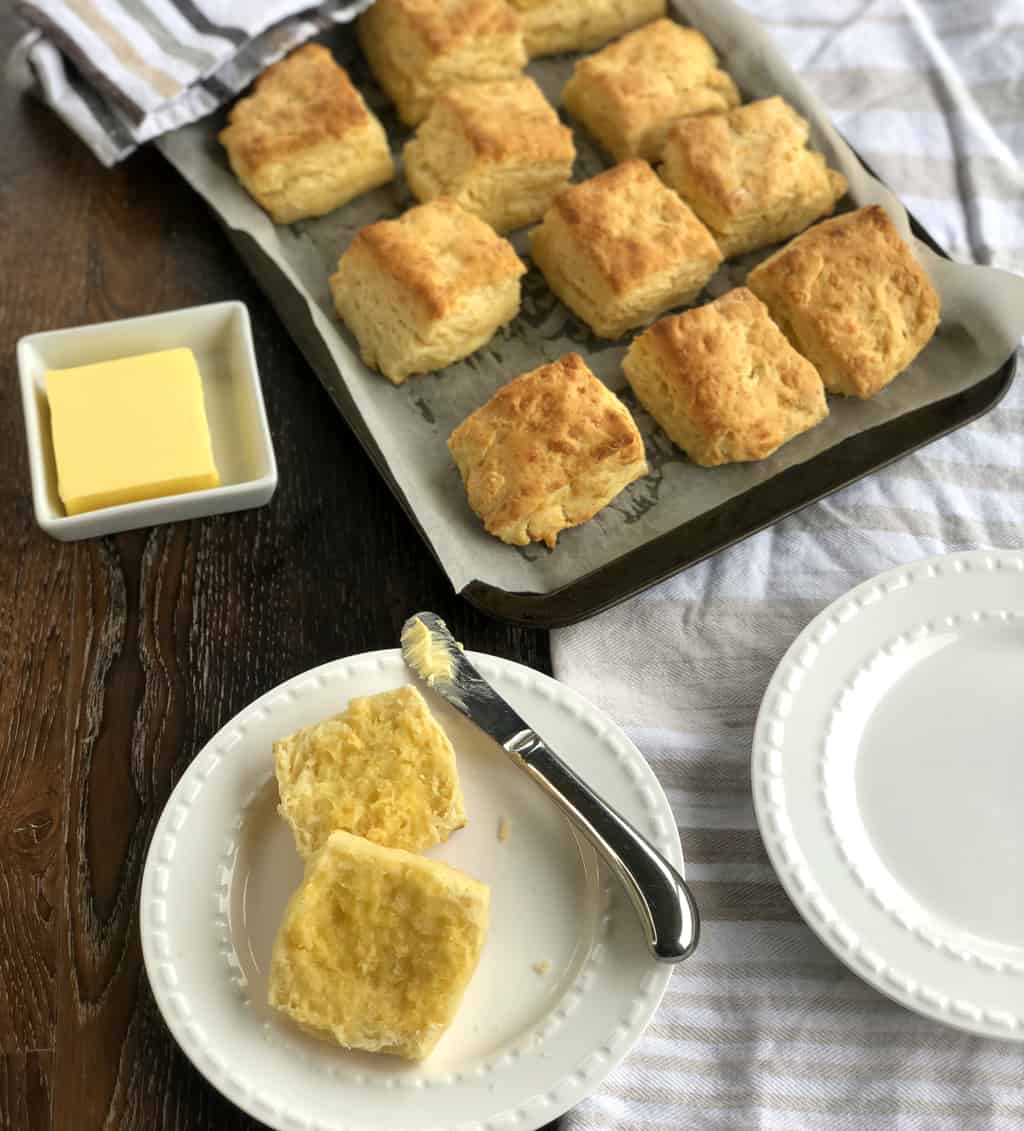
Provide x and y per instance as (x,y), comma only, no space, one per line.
(660,895)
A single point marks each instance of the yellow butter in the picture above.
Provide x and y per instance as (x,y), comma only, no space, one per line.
(129,430)
(428,656)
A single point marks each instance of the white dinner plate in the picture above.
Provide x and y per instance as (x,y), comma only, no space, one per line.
(888,777)
(565,984)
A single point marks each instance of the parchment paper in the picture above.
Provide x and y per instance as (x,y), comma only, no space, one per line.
(982,321)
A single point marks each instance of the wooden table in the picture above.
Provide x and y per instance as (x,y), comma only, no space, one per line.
(120,657)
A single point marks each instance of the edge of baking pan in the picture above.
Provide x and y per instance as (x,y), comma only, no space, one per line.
(293,311)
(725,526)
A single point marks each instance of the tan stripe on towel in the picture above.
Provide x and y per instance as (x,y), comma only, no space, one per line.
(160,81)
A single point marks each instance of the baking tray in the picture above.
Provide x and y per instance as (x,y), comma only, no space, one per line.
(691,542)
(290,264)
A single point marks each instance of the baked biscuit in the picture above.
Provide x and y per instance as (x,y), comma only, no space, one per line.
(552,26)
(723,382)
(377,947)
(629,94)
(417,48)
(383,769)
(749,175)
(303,143)
(496,148)
(851,297)
(546,452)
(621,248)
(427,289)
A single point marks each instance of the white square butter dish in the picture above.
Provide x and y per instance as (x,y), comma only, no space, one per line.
(220,337)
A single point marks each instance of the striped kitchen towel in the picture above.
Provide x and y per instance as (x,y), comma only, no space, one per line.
(764,1028)
(120,72)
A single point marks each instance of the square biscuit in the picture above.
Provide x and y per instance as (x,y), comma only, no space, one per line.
(723,382)
(496,148)
(553,26)
(621,248)
(850,296)
(749,175)
(382,769)
(377,947)
(304,143)
(427,289)
(417,48)
(628,94)
(546,452)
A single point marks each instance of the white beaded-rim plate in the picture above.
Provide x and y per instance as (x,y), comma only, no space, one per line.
(888,778)
(565,984)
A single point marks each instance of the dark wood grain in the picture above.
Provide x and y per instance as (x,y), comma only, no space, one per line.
(25,1080)
(121,656)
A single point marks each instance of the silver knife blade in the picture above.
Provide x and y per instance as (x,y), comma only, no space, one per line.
(434,655)
(659,893)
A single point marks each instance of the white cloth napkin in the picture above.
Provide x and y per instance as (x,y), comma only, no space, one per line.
(121,72)
(763,1028)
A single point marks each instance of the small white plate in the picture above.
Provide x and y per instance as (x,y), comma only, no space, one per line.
(888,777)
(220,336)
(524,1046)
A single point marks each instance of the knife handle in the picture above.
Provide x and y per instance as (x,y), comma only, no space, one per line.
(658,892)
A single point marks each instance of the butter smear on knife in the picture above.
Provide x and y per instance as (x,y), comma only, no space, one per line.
(425,653)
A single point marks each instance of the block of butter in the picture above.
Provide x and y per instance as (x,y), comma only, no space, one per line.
(129,430)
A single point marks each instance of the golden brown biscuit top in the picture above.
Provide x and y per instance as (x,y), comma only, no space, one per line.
(647,70)
(732,366)
(443,26)
(631,225)
(748,158)
(538,433)
(857,280)
(303,100)
(439,253)
(508,117)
